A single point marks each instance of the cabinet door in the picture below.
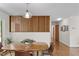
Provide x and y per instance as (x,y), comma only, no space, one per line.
(35,23)
(25,25)
(15,25)
(47,23)
(41,23)
(18,23)
(30,25)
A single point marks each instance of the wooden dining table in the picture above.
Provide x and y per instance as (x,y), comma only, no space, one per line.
(36,47)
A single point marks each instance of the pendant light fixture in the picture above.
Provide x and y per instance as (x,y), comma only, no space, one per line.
(27,13)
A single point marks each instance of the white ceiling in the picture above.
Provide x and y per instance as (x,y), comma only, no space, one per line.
(54,9)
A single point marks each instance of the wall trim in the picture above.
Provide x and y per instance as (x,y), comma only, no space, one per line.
(74,46)
(65,43)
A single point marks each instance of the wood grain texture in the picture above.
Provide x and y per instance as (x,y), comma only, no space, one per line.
(57,33)
(41,23)
(35,24)
(47,23)
(60,50)
(31,25)
(12,23)
(17,23)
(23,25)
(35,46)
(27,25)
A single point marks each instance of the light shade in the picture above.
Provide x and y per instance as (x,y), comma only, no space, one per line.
(27,14)
(59,19)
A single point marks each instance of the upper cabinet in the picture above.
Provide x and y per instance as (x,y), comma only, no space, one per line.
(41,23)
(35,24)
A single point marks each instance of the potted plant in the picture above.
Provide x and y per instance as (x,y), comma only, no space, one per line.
(9,41)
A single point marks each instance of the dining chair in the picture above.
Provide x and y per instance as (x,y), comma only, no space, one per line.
(49,51)
(2,52)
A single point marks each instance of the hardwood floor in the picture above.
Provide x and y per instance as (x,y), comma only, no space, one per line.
(63,50)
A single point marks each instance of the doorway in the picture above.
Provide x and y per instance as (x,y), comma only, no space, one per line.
(55,33)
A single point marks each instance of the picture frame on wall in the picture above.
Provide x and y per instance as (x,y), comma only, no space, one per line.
(64,28)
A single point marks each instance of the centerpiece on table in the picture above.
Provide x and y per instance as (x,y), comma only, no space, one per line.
(27,41)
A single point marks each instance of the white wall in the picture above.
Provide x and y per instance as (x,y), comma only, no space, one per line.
(5,23)
(64,37)
(71,37)
(74,31)
(37,36)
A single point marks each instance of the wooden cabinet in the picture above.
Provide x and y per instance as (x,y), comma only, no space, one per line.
(35,24)
(47,23)
(25,25)
(41,24)
(15,23)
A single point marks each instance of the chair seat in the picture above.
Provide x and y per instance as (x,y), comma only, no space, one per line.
(2,52)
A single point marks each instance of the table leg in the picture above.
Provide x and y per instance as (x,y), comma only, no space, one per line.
(40,53)
(10,52)
(35,53)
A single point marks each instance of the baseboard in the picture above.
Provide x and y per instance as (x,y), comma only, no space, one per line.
(68,45)
(65,44)
(74,46)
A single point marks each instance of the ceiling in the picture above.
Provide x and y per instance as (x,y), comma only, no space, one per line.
(55,10)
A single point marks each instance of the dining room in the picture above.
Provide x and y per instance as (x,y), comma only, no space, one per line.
(24,33)
(39,29)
